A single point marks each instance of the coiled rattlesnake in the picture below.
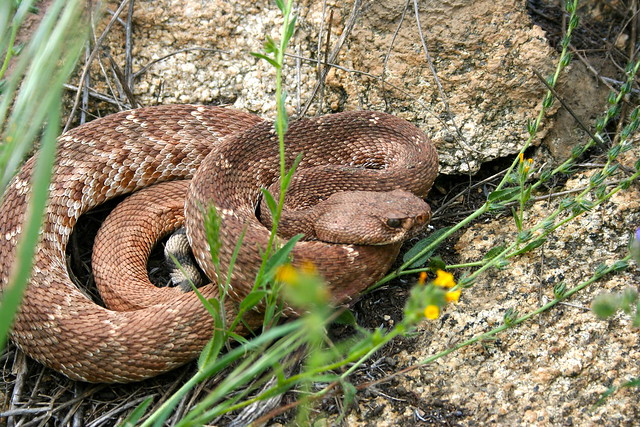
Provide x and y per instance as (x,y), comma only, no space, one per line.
(234,154)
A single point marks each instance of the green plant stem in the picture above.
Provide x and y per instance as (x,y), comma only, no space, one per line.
(549,95)
(249,369)
(281,129)
(18,17)
(254,345)
(10,51)
(595,277)
(53,52)
(524,318)
(21,270)
(355,359)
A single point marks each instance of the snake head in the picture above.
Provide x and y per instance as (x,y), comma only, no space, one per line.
(371,217)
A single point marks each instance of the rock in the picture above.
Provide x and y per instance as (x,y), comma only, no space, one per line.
(482,51)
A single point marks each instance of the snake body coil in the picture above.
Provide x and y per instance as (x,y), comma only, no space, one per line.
(235,154)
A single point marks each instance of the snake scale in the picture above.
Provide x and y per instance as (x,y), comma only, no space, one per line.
(228,155)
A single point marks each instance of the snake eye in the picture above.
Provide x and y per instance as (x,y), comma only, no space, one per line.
(394,222)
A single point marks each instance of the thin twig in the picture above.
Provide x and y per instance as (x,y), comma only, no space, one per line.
(383,74)
(325,70)
(128,48)
(441,91)
(23,411)
(461,140)
(424,106)
(162,58)
(586,63)
(75,412)
(355,10)
(86,67)
(298,82)
(105,74)
(20,368)
(121,78)
(93,93)
(466,190)
(85,89)
(110,414)
(595,138)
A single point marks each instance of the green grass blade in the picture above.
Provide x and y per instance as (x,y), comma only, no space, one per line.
(52,52)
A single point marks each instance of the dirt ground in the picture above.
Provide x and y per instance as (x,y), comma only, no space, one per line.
(473,91)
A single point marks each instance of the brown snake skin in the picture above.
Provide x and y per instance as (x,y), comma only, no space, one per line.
(119,154)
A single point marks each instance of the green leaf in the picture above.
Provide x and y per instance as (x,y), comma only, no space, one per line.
(632,383)
(567,203)
(494,252)
(282,124)
(619,266)
(291,27)
(420,246)
(501,264)
(214,345)
(212,349)
(524,236)
(547,224)
(252,299)
(212,223)
(530,246)
(224,283)
(517,219)
(292,169)
(545,175)
(559,290)
(271,202)
(210,305)
(436,263)
(510,316)
(270,45)
(266,58)
(505,195)
(346,317)
(135,415)
(600,269)
(348,396)
(466,282)
(604,306)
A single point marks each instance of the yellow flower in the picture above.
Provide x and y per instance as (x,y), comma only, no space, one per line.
(444,279)
(423,278)
(453,296)
(432,312)
(521,157)
(287,274)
